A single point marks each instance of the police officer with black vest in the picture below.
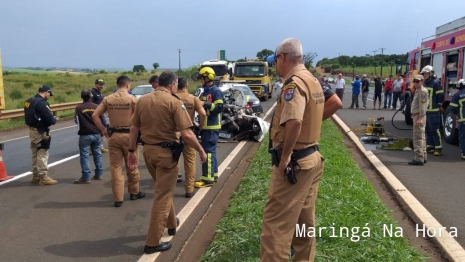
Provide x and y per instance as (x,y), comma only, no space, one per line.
(39,118)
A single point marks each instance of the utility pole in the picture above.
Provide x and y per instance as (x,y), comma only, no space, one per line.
(179,50)
(382,51)
(374,53)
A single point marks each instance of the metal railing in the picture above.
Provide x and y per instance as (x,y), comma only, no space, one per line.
(8,114)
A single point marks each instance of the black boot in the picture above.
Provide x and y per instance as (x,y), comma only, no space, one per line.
(164,246)
(137,196)
(172,232)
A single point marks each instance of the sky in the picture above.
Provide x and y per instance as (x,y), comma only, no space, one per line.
(118,34)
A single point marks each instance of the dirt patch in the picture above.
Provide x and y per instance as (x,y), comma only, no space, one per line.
(401,214)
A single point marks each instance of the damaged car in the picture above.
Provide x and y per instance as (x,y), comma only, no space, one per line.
(239,120)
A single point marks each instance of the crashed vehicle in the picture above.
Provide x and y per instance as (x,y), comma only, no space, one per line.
(238,120)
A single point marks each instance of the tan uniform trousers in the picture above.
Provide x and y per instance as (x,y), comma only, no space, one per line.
(39,157)
(288,205)
(118,146)
(189,154)
(419,140)
(164,171)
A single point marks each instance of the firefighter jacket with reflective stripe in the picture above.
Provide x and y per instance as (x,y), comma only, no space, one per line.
(436,95)
(213,104)
(457,105)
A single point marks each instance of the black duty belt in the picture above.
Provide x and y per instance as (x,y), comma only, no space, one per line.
(124,130)
(298,154)
(164,144)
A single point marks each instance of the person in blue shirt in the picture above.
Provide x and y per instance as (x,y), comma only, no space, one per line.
(355,92)
(457,105)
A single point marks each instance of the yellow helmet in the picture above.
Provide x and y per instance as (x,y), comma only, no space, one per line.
(207,72)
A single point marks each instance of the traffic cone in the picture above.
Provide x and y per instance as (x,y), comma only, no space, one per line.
(3,175)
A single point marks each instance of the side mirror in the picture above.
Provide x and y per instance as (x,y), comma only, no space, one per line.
(195,76)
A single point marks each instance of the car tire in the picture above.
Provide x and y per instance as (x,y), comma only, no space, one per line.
(448,127)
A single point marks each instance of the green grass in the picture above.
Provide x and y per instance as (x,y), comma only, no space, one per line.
(29,71)
(345,198)
(66,87)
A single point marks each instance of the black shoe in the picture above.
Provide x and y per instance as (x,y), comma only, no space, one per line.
(118,204)
(189,195)
(415,163)
(137,196)
(292,251)
(164,246)
(424,161)
(172,232)
(179,178)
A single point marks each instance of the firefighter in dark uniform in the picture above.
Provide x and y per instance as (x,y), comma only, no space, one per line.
(97,98)
(120,107)
(212,99)
(433,114)
(164,124)
(297,163)
(39,118)
(332,101)
(192,104)
(457,105)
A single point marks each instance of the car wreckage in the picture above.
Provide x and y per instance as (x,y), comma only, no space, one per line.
(238,120)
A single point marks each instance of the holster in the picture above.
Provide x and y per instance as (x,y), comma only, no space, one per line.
(110,131)
(45,142)
(176,148)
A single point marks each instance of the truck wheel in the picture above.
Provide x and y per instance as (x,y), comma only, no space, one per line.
(407,113)
(449,130)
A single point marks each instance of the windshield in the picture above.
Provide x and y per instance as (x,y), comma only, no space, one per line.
(245,89)
(249,70)
(140,90)
(220,70)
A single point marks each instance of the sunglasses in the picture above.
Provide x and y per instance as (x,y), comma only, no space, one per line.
(276,57)
(416,81)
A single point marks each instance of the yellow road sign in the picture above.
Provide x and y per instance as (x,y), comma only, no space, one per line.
(2,91)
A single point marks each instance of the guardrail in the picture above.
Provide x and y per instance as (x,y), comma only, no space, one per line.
(8,114)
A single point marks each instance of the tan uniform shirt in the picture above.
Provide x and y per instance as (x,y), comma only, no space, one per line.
(160,116)
(301,98)
(120,107)
(191,102)
(420,102)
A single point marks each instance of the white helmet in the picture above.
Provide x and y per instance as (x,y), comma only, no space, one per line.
(427,69)
(461,83)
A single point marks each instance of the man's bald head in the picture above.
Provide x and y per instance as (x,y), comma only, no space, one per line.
(292,48)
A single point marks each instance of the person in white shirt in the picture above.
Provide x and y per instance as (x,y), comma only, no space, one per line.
(278,86)
(397,92)
(340,86)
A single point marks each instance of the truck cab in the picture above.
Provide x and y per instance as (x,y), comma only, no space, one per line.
(222,70)
(255,74)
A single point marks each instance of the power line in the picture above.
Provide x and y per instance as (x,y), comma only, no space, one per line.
(382,52)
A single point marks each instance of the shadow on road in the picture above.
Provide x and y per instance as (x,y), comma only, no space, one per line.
(100,248)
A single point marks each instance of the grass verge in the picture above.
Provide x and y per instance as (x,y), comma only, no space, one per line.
(345,199)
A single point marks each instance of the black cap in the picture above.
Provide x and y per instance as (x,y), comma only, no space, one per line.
(99,81)
(45,88)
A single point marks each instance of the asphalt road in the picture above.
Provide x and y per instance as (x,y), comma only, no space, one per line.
(438,185)
(68,222)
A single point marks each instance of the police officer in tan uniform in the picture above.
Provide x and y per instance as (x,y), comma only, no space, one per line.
(419,107)
(192,104)
(297,162)
(162,120)
(120,107)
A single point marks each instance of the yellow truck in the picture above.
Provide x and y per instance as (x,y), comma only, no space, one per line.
(256,76)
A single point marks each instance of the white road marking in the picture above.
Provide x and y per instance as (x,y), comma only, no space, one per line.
(1,142)
(29,172)
(187,210)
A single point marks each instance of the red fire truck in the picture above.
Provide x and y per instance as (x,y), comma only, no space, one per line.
(444,51)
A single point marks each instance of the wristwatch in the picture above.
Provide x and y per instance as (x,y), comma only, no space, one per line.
(131,150)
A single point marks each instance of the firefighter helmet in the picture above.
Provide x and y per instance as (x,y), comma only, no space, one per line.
(461,83)
(427,69)
(207,72)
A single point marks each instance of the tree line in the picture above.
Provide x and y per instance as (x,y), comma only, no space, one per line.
(362,61)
